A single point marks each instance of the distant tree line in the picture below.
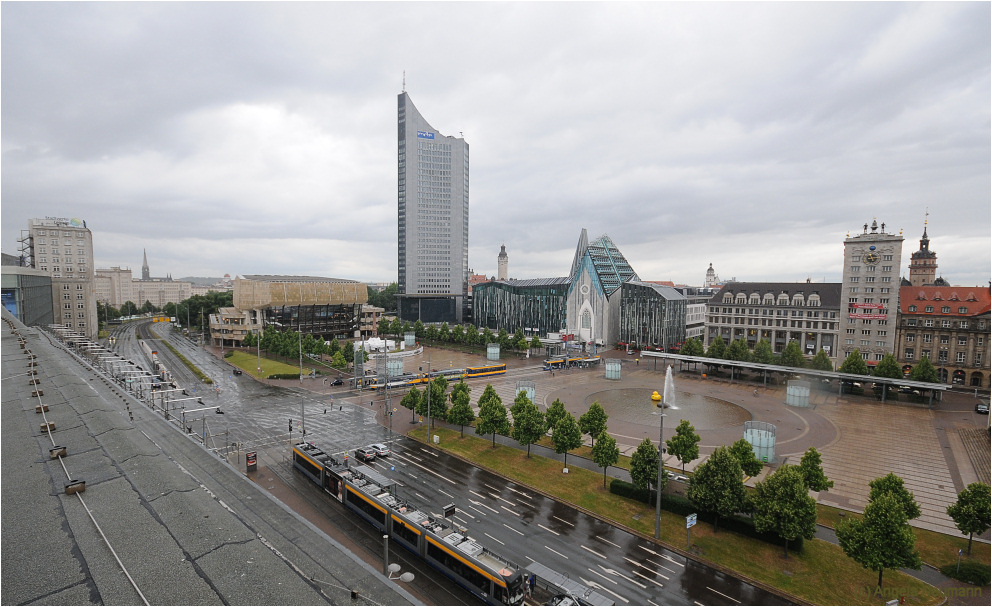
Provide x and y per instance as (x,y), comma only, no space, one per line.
(468,335)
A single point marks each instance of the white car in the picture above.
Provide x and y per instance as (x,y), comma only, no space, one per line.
(380,449)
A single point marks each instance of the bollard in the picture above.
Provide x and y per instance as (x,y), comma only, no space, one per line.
(38,393)
(56,451)
(34,382)
(40,408)
(75,486)
(48,426)
(33,363)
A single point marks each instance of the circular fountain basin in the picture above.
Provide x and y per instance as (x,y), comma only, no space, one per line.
(633,405)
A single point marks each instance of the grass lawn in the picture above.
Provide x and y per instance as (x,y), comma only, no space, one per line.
(249,364)
(821,574)
(937,549)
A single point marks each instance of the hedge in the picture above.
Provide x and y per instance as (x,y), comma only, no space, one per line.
(681,505)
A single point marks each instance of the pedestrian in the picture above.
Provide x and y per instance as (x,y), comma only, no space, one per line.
(530,582)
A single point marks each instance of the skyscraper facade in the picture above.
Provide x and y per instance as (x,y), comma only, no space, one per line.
(432,205)
(869,294)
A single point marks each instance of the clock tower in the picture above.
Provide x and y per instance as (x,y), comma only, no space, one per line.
(869,294)
(923,263)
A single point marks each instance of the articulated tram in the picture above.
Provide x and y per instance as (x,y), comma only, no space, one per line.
(437,541)
(412,379)
(573,361)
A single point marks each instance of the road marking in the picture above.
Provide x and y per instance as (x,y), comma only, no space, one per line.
(494,539)
(564,521)
(417,493)
(458,518)
(593,584)
(520,493)
(584,547)
(477,493)
(513,530)
(617,573)
(602,575)
(556,552)
(491,487)
(723,595)
(664,556)
(446,493)
(477,510)
(484,506)
(641,575)
(504,500)
(546,529)
(648,568)
(510,511)
(607,541)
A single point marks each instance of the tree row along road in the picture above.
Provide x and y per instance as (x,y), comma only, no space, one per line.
(510,519)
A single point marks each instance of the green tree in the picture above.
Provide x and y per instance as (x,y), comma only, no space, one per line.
(338,361)
(418,329)
(744,452)
(444,333)
(249,340)
(148,307)
(128,308)
(882,539)
(411,401)
(566,436)
(472,336)
(434,400)
(383,327)
(518,337)
(783,506)
(431,333)
(396,327)
(692,347)
(821,362)
(717,348)
(892,484)
(605,453)
(888,367)
(593,421)
(718,486)
(644,465)
(554,413)
(492,415)
(334,346)
(854,364)
(528,424)
(971,512)
(504,339)
(519,403)
(738,350)
(924,371)
(812,471)
(487,337)
(792,356)
(684,444)
(461,412)
(458,334)
(535,343)
(763,353)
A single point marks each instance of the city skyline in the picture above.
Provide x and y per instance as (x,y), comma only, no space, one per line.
(753,137)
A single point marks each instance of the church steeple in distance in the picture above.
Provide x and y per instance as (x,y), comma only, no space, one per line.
(145,273)
(502,264)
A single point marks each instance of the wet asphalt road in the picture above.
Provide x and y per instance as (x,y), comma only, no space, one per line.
(512,520)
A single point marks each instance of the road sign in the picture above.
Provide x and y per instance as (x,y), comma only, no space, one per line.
(690,521)
(251,461)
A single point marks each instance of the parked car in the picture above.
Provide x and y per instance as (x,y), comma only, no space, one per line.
(365,454)
(380,449)
(337,382)
(238,371)
(982,408)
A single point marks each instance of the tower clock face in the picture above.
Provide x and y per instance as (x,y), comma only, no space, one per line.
(871,257)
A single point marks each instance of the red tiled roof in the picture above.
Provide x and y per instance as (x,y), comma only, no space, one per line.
(977,300)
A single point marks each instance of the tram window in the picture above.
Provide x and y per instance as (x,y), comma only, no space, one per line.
(373,512)
(401,530)
(471,576)
(306,465)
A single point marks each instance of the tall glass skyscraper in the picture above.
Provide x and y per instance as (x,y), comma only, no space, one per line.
(432,204)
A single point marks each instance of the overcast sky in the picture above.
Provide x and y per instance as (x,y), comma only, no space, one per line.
(258,138)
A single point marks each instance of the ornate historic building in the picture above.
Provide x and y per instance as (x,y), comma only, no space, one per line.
(948,325)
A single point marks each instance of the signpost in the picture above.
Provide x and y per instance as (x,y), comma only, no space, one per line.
(690,521)
(250,461)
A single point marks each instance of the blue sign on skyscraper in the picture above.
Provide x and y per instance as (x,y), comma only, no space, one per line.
(425,135)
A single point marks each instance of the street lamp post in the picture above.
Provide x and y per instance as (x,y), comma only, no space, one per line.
(656,398)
